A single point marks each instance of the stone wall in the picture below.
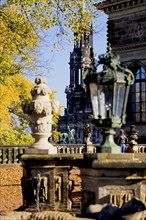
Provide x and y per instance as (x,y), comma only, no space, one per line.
(127,28)
(10,187)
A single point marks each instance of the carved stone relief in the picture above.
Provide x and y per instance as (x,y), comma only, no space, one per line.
(58,188)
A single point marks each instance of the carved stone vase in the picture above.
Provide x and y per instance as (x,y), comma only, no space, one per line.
(40,111)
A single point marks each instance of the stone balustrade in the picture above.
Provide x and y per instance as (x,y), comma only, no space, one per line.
(9,154)
(140,148)
(70,148)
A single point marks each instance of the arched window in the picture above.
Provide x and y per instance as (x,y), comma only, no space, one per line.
(137,97)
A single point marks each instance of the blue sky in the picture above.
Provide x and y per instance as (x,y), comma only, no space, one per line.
(58,71)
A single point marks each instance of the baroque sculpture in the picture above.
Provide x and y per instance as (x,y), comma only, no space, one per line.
(68,138)
(88,147)
(40,110)
(87,134)
(132,139)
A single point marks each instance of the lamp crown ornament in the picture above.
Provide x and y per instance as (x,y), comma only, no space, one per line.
(109,60)
(112,64)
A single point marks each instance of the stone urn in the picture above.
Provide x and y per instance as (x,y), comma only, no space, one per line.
(40,111)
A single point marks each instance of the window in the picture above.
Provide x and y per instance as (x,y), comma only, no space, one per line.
(138,95)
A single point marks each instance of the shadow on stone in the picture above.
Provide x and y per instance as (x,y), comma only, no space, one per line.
(132,210)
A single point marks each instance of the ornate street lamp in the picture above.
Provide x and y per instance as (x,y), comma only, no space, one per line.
(109,91)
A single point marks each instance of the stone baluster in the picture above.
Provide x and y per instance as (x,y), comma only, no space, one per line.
(14,155)
(3,156)
(8,155)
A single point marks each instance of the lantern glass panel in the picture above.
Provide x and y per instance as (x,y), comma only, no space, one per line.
(102,101)
(97,100)
(94,99)
(108,91)
(119,99)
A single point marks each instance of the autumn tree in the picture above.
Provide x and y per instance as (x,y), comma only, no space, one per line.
(22,24)
(13,122)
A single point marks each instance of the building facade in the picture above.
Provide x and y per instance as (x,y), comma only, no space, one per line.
(126,34)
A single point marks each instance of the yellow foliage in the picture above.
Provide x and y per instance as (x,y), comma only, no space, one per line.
(11,92)
(17,40)
(13,137)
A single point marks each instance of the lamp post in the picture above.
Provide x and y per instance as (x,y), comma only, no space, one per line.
(109,91)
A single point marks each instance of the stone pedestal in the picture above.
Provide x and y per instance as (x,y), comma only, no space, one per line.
(105,178)
(113,178)
(45,182)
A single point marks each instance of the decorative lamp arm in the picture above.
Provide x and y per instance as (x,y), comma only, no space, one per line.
(130,77)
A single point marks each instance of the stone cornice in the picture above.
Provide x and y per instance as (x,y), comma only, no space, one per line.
(110,6)
(129,46)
